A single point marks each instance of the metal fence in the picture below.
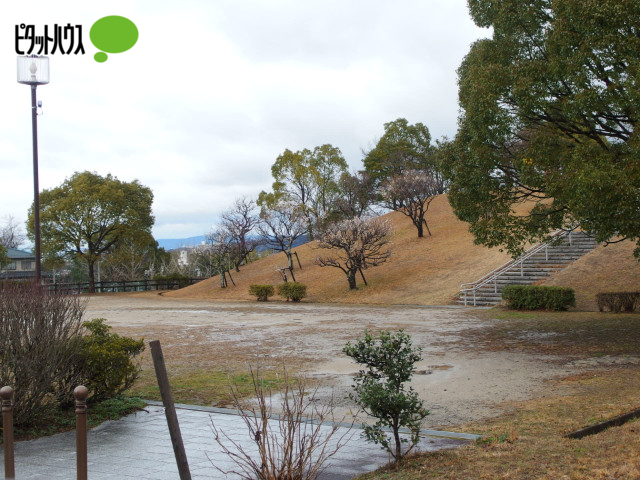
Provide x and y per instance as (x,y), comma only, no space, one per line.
(123,286)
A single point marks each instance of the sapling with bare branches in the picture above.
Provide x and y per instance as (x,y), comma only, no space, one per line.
(292,445)
(357,244)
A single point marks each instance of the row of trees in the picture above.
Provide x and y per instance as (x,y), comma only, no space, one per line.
(314,196)
(100,224)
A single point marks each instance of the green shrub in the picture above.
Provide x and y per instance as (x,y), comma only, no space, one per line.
(104,363)
(294,291)
(262,292)
(618,301)
(536,297)
(380,389)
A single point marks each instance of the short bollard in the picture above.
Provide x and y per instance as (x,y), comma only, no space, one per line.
(6,393)
(81,393)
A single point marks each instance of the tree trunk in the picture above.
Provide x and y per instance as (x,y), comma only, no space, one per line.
(351,277)
(396,437)
(420,229)
(92,282)
(289,259)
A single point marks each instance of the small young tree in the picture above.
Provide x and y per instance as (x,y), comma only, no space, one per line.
(293,445)
(240,221)
(359,243)
(282,224)
(380,390)
(411,194)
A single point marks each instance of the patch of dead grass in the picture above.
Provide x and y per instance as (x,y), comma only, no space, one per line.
(569,334)
(200,368)
(529,444)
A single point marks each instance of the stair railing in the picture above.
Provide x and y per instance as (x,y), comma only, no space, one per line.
(471,288)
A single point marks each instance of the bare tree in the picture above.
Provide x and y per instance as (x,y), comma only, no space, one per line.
(359,244)
(129,260)
(240,221)
(220,245)
(11,234)
(411,193)
(281,226)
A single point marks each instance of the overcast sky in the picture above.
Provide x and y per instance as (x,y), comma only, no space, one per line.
(213,91)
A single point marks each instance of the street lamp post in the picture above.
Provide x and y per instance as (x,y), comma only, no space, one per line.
(34,70)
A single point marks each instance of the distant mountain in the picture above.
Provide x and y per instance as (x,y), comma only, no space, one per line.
(173,243)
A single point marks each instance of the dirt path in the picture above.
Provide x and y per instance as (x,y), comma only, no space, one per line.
(458,383)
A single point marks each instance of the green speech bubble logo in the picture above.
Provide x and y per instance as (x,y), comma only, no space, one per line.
(113,34)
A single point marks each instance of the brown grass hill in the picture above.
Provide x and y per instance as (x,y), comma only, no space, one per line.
(609,268)
(421,271)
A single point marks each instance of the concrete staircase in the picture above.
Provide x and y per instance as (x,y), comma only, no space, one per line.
(536,264)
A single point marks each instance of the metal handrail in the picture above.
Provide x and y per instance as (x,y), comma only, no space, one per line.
(493,276)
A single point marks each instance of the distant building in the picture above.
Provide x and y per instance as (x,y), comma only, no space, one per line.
(21,265)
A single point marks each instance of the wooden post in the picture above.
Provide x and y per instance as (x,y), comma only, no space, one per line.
(363,279)
(81,393)
(6,393)
(170,410)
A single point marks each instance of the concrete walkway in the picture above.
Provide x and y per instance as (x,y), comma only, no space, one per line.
(138,446)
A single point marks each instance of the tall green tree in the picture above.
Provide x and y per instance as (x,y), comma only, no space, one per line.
(308,179)
(89,215)
(548,133)
(402,147)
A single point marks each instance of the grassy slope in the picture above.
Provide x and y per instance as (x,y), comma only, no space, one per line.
(424,271)
(421,270)
(609,268)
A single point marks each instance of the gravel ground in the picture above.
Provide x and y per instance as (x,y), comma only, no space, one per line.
(458,381)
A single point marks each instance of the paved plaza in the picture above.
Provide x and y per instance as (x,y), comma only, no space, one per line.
(139,446)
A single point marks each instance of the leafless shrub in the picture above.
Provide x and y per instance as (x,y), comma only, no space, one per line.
(294,445)
(39,335)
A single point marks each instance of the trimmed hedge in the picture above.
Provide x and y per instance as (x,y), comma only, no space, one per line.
(262,292)
(294,291)
(618,301)
(536,297)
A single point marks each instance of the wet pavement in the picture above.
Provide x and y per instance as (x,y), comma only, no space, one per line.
(139,446)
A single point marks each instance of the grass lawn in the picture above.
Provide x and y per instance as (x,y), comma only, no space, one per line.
(528,443)
(195,386)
